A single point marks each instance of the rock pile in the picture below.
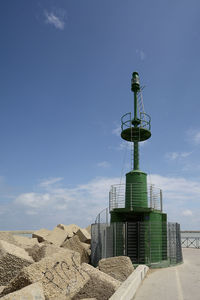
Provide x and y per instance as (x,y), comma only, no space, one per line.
(55,265)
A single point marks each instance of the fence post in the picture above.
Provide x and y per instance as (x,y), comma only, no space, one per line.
(131,186)
(109,200)
(138,240)
(149,243)
(161,202)
(124,238)
(151,196)
(115,234)
(107,216)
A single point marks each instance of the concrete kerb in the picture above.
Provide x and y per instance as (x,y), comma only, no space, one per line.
(129,287)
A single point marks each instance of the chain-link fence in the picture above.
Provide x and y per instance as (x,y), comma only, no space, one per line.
(144,242)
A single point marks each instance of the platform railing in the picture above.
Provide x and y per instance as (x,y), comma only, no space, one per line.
(119,192)
(145,121)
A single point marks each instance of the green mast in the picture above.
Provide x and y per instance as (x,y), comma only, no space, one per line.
(136,130)
(135,87)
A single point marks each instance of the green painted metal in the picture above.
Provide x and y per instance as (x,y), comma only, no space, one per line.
(135,88)
(136,156)
(132,129)
(136,134)
(136,190)
(135,82)
(154,231)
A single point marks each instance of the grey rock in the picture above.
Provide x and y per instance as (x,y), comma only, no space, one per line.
(75,245)
(12,260)
(119,267)
(60,275)
(41,234)
(31,292)
(100,286)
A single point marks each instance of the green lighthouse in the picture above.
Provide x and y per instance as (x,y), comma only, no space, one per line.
(140,214)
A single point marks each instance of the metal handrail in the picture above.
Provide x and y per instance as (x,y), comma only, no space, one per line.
(118,193)
(145,121)
(190,242)
(102,217)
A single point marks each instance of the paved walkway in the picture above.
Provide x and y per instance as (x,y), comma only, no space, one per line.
(175,283)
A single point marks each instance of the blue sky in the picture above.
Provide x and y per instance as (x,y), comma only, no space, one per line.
(65,71)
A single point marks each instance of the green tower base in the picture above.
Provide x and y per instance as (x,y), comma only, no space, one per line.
(145,235)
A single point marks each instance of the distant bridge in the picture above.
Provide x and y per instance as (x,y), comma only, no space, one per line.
(192,240)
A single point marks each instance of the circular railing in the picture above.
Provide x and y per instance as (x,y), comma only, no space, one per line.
(118,193)
(145,121)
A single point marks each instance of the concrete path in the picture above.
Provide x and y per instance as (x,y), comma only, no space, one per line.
(175,283)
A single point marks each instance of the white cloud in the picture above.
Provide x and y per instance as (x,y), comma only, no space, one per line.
(3,209)
(34,200)
(55,18)
(179,188)
(72,203)
(57,203)
(103,164)
(172,155)
(142,144)
(193,135)
(187,212)
(180,195)
(186,154)
(117,131)
(196,137)
(129,146)
(177,155)
(141,54)
(125,145)
(50,181)
(31,212)
(194,166)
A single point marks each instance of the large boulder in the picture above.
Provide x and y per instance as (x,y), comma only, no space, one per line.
(8,237)
(100,286)
(12,260)
(87,248)
(41,234)
(57,236)
(45,249)
(70,229)
(31,292)
(84,236)
(31,245)
(75,245)
(119,267)
(25,242)
(59,275)
(34,252)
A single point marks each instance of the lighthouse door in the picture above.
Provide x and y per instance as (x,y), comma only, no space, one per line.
(135,242)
